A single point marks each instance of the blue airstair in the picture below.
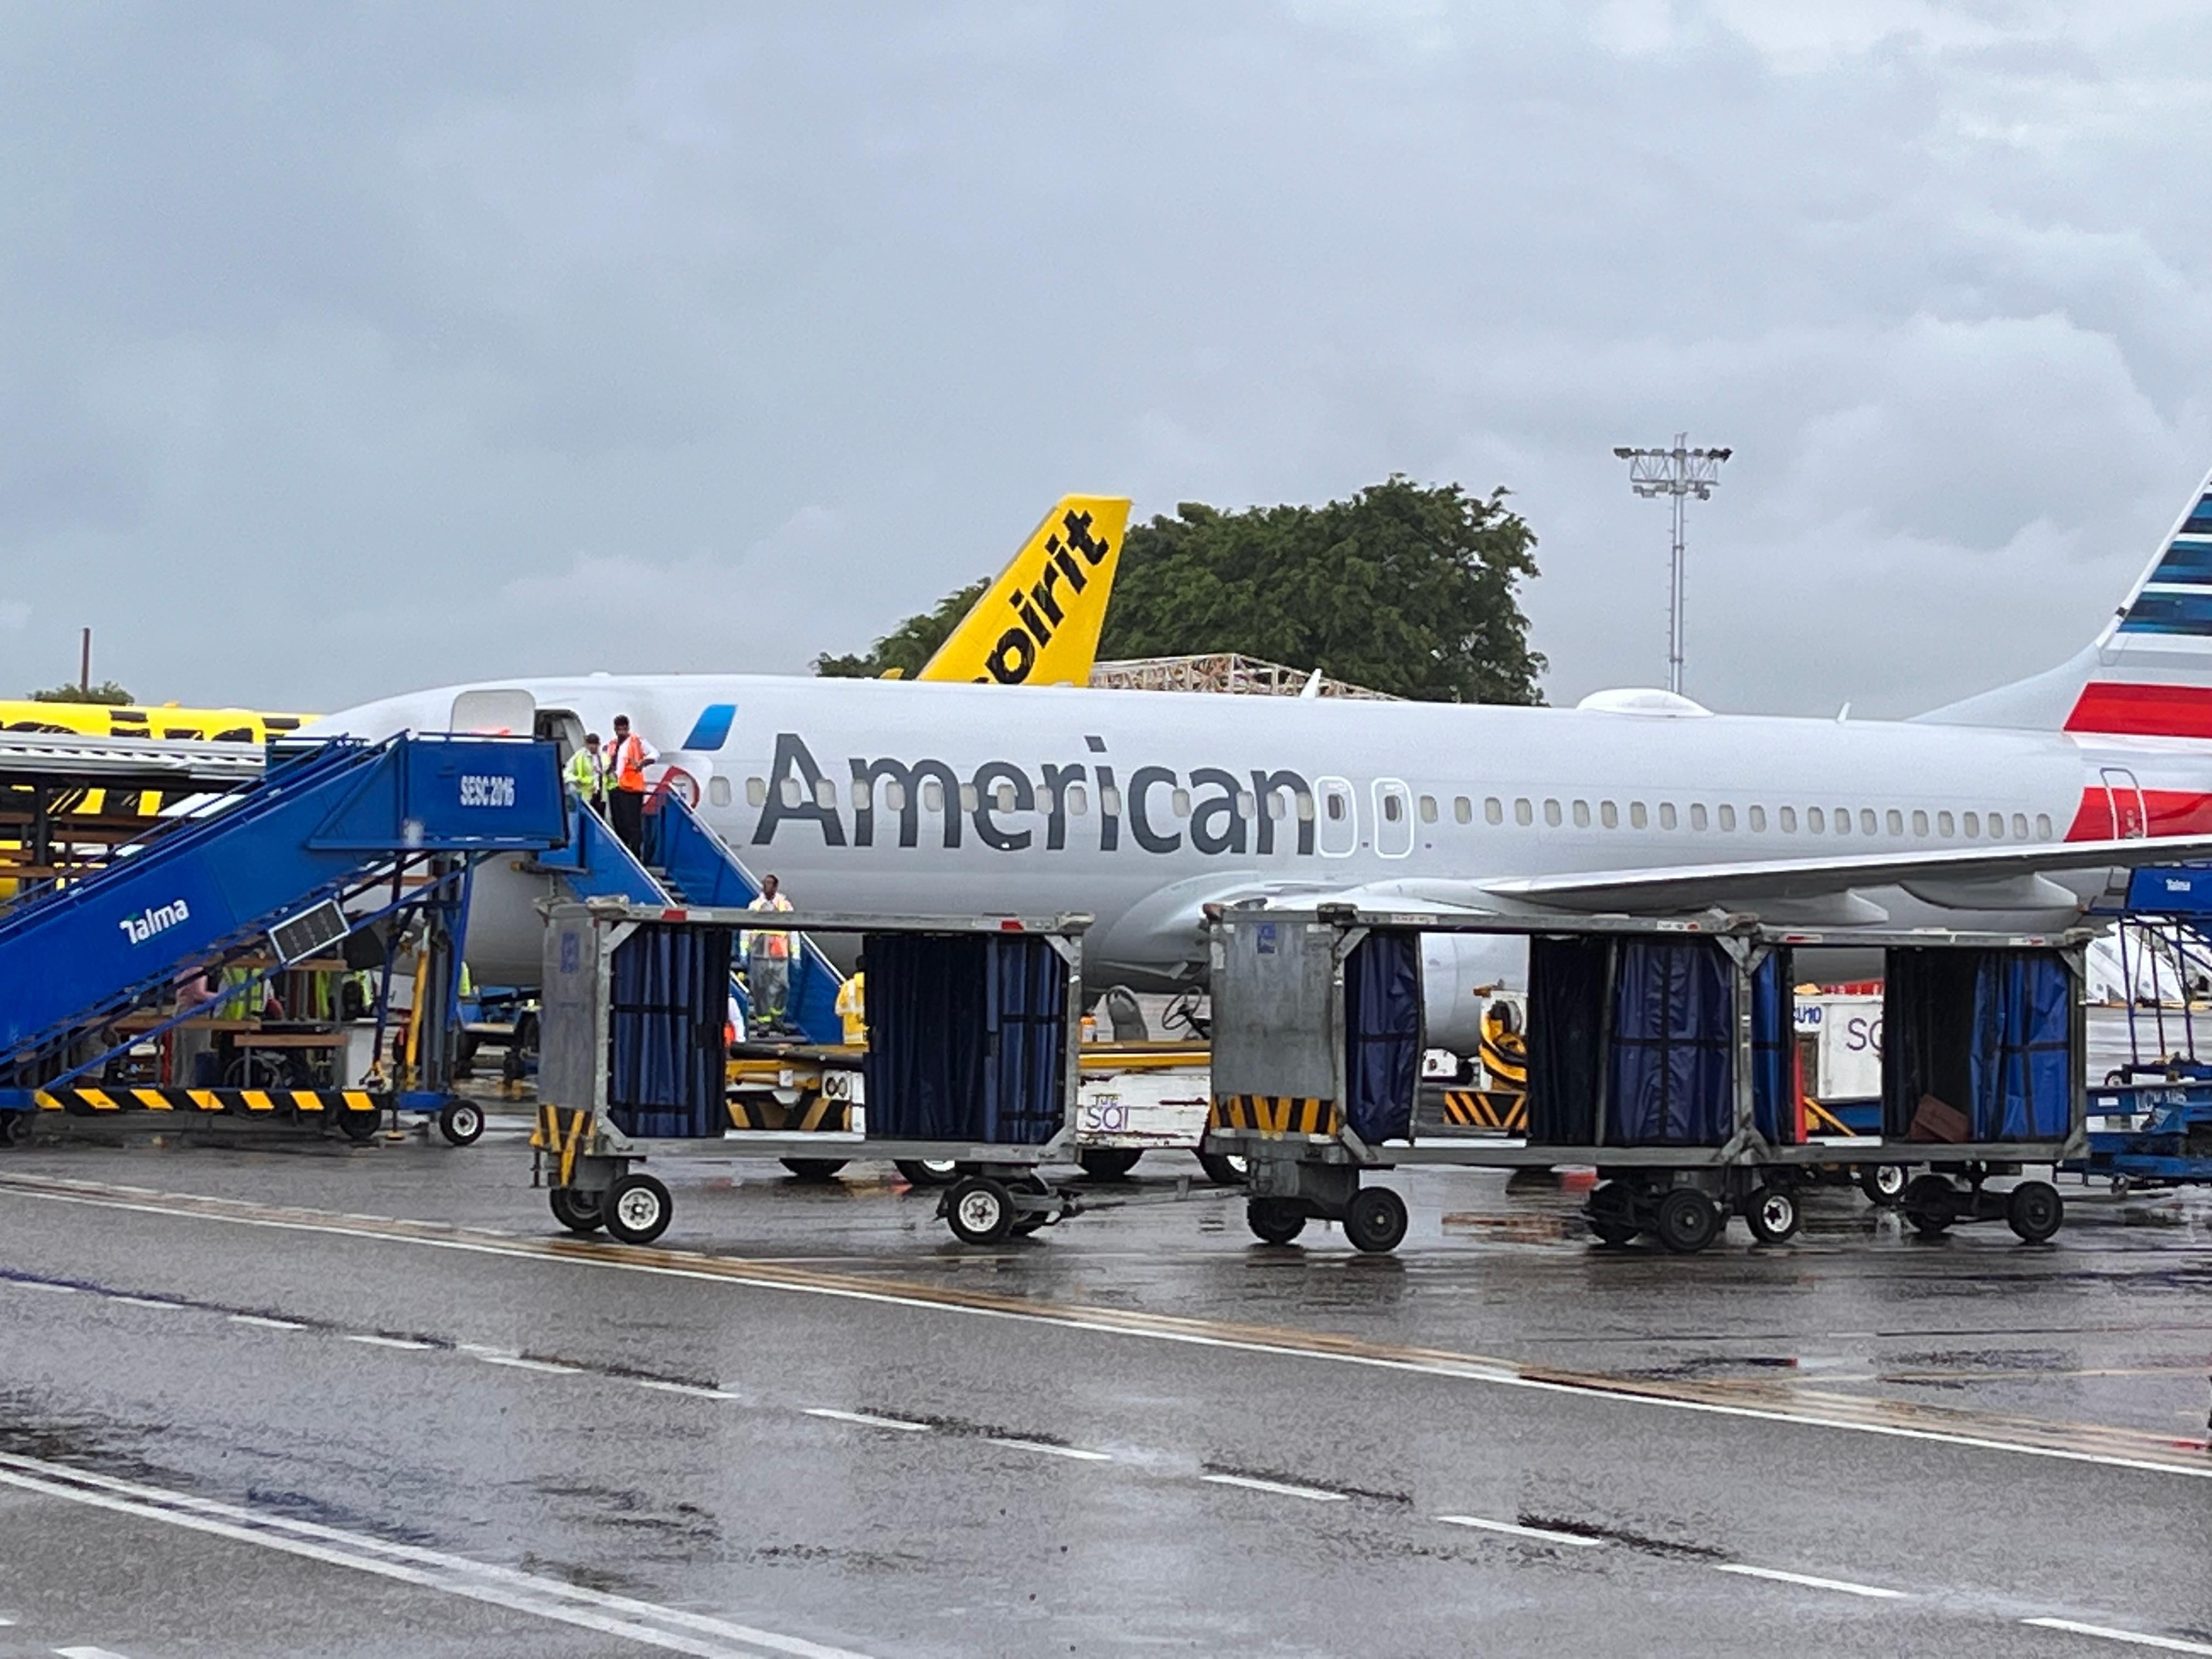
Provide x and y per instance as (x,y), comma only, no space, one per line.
(324,821)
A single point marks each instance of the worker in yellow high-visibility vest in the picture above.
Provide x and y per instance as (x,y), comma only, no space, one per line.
(768,963)
(587,775)
(853,1008)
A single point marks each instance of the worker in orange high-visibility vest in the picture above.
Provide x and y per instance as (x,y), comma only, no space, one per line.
(626,762)
(768,964)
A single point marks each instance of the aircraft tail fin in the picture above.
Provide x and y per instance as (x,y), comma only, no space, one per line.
(1038,621)
(2147,674)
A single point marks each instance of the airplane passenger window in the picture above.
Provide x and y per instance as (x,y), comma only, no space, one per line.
(895,796)
(1637,818)
(1697,815)
(1077,799)
(755,792)
(1996,826)
(1109,802)
(1463,809)
(1867,820)
(1757,819)
(1788,819)
(1727,816)
(1896,822)
(1582,815)
(1666,815)
(1179,803)
(1520,812)
(718,791)
(2020,826)
(1608,815)
(2043,826)
(1394,808)
(1246,807)
(1003,797)
(790,792)
(861,795)
(1971,823)
(967,798)
(1428,809)
(825,792)
(1493,810)
(1944,826)
(1919,820)
(1278,807)
(1551,813)
(1843,817)
(1814,823)
(1305,807)
(933,795)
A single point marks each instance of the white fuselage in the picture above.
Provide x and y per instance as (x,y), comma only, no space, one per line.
(866,795)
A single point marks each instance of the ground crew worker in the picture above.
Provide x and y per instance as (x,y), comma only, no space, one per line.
(853,1007)
(626,764)
(767,962)
(587,775)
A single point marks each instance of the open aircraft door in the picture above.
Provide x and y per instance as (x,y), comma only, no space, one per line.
(504,710)
(2130,819)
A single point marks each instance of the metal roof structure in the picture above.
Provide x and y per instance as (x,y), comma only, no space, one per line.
(1224,672)
(143,763)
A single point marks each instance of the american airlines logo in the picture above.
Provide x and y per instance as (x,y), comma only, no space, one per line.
(141,927)
(1218,811)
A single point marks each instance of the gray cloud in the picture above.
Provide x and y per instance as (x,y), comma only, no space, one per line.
(353,349)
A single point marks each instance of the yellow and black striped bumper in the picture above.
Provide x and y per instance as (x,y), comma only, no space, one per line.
(1504,1109)
(297,1103)
(1275,1115)
(817,1113)
(561,1133)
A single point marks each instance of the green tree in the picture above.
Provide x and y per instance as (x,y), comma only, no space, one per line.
(909,646)
(107,692)
(1403,588)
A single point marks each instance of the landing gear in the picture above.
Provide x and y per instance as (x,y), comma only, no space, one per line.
(461,1122)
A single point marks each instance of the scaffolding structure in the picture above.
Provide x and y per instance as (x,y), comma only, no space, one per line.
(1227,672)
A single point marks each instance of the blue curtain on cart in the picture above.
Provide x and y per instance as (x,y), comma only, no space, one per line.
(671,1002)
(1774,1049)
(1672,1065)
(1567,981)
(1988,1033)
(967,1037)
(1383,1035)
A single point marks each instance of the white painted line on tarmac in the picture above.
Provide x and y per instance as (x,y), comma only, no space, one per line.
(696,1390)
(2163,1644)
(671,1629)
(867,1419)
(1593,1389)
(1049,1451)
(1280,1488)
(149,1301)
(88,1653)
(387,1341)
(520,1363)
(51,1290)
(1811,1582)
(267,1324)
(1514,1529)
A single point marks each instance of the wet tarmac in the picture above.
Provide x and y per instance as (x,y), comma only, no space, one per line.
(290,1396)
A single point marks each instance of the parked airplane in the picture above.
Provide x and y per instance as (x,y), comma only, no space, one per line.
(2010,810)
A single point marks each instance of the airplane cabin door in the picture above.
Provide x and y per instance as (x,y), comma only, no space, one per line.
(1394,818)
(2130,818)
(1340,817)
(506,710)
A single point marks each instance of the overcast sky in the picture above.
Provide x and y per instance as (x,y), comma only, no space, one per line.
(353,349)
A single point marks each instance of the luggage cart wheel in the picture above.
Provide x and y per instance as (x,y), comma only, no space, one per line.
(1109,1162)
(1224,1168)
(1374,1220)
(359,1126)
(1772,1215)
(461,1122)
(1273,1220)
(927,1171)
(1610,1214)
(11,1128)
(2033,1210)
(578,1210)
(1686,1220)
(1883,1184)
(638,1209)
(979,1211)
(1930,1203)
(813,1168)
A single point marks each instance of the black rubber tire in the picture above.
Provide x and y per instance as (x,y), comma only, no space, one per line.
(461,1122)
(1686,1220)
(1109,1162)
(579,1211)
(1374,1220)
(1224,1170)
(1884,1184)
(815,1169)
(1930,1204)
(359,1128)
(921,1172)
(1611,1212)
(15,1129)
(1773,1215)
(979,1211)
(2034,1211)
(638,1209)
(1273,1220)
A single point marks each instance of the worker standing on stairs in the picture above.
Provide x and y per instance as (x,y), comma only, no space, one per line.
(768,963)
(587,775)
(632,755)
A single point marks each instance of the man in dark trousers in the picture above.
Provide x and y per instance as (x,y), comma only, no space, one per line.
(627,760)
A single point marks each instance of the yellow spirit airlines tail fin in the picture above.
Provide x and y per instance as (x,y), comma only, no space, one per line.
(1038,623)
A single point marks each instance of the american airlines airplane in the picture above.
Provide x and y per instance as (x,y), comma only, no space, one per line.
(2016,809)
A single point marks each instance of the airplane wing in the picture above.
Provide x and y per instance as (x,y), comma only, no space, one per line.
(1038,621)
(1995,877)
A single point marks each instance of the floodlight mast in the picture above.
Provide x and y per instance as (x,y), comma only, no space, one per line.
(1678,473)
